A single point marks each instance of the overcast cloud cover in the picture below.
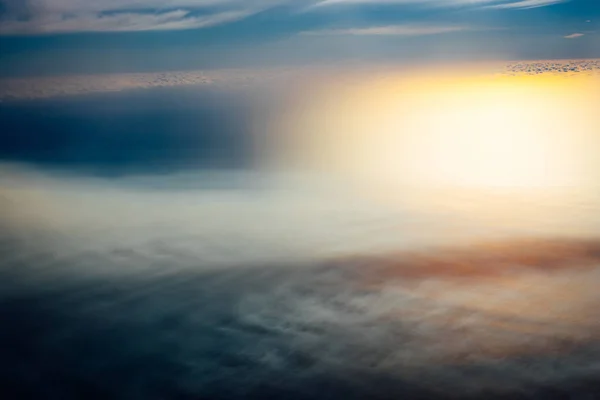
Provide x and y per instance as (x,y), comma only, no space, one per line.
(113,285)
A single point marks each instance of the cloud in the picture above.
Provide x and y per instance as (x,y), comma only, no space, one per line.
(172,20)
(62,16)
(574,36)
(450,3)
(47,87)
(20,17)
(554,67)
(219,275)
(396,30)
(524,4)
(112,124)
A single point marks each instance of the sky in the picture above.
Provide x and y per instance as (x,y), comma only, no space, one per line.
(277,222)
(62,37)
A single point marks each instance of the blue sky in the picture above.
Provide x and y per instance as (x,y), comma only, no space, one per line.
(41,37)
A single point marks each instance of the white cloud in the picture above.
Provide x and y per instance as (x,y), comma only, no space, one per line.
(83,6)
(574,36)
(60,16)
(450,3)
(55,16)
(524,4)
(427,2)
(397,30)
(172,20)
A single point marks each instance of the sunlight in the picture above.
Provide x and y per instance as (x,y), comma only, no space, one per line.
(492,139)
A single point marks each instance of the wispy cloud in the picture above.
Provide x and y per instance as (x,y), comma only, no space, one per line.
(574,36)
(396,30)
(172,20)
(450,3)
(61,16)
(524,4)
(423,2)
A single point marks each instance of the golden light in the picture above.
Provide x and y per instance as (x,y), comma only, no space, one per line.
(462,130)
(498,136)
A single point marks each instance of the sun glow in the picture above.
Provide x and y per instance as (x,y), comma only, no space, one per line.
(493,138)
(486,132)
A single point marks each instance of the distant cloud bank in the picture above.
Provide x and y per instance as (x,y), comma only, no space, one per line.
(46,87)
(554,67)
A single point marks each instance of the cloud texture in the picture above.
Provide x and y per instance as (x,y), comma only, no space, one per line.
(62,16)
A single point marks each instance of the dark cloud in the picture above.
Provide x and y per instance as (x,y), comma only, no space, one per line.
(135,131)
(17,9)
(304,332)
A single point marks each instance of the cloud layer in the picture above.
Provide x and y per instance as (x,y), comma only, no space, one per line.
(204,292)
(46,87)
(450,3)
(119,22)
(61,16)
